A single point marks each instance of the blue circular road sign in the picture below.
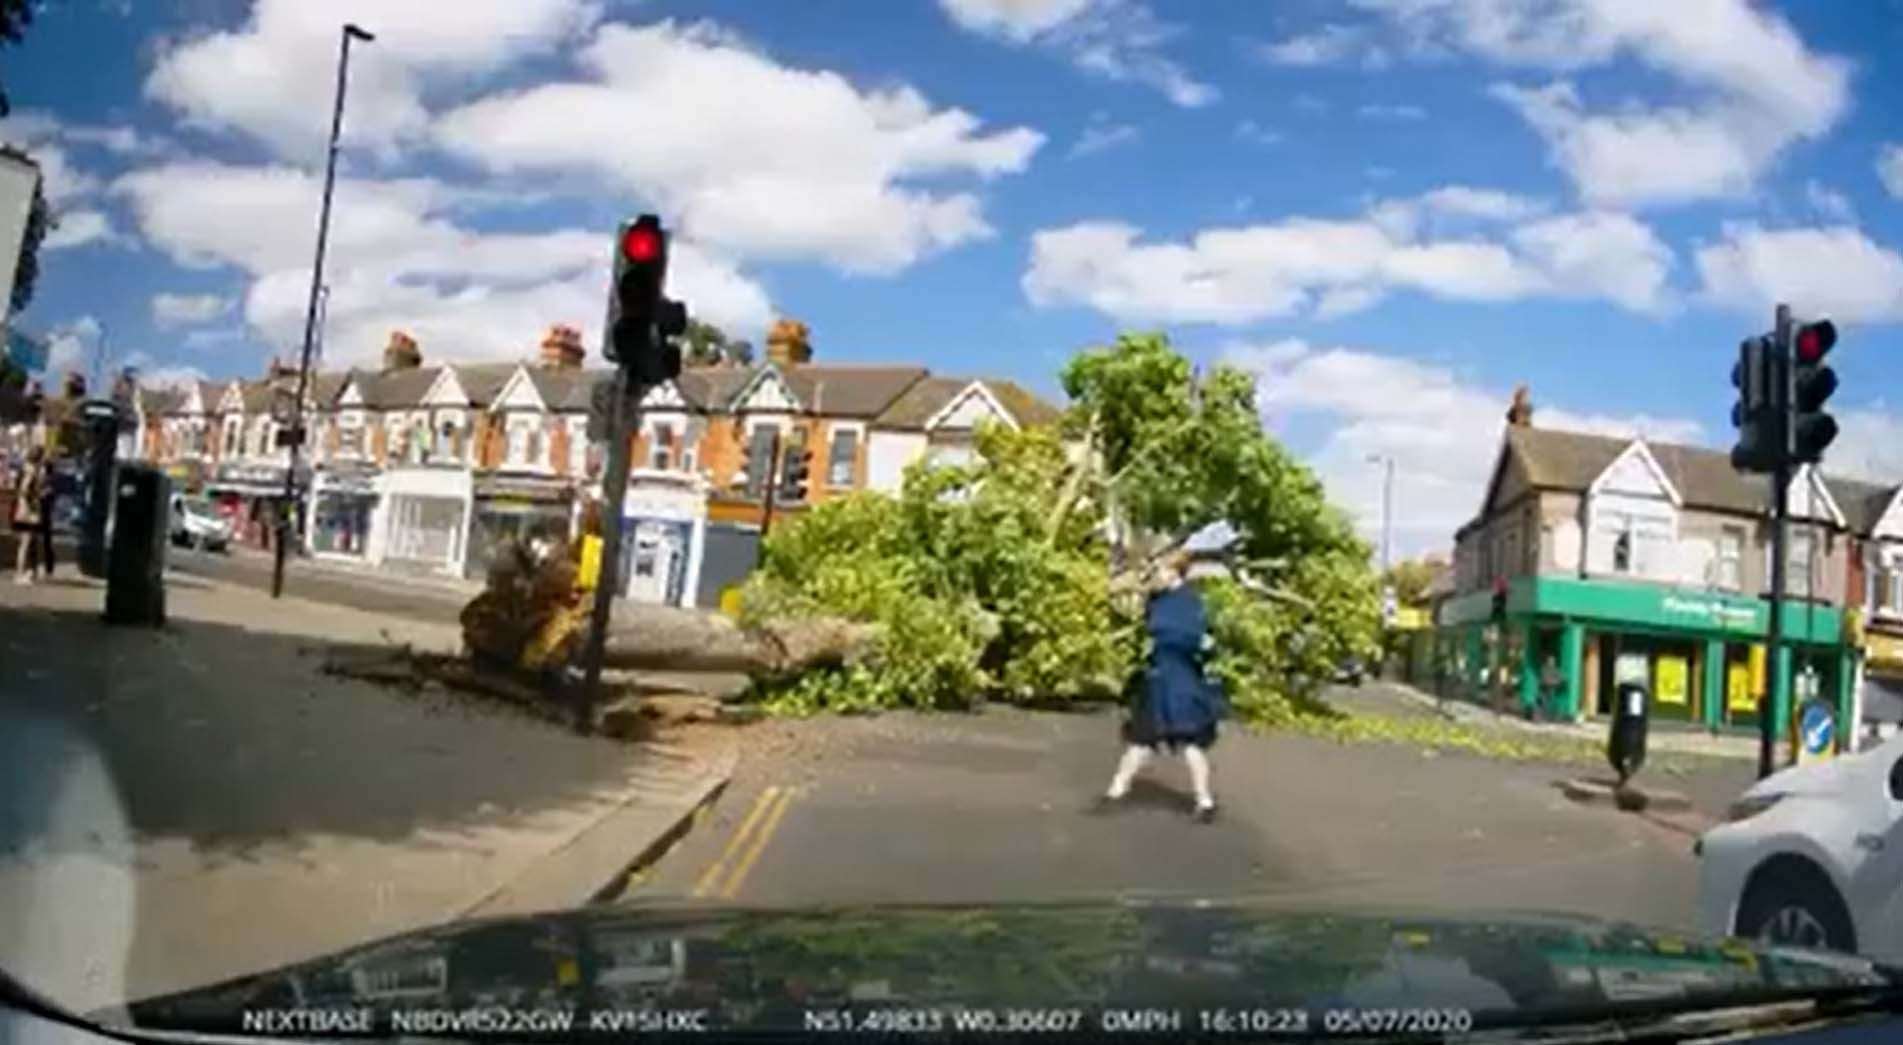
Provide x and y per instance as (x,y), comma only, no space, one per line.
(1817,727)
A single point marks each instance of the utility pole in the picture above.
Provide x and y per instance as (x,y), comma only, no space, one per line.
(1780,510)
(295,442)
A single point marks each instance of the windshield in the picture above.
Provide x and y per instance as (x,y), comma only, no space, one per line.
(1396,465)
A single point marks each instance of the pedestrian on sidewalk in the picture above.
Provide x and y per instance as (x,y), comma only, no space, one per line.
(29,504)
(1174,704)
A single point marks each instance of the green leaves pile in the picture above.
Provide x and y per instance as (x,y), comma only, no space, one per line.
(1017,576)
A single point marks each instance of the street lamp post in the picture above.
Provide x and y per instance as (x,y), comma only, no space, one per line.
(296,441)
(1387,521)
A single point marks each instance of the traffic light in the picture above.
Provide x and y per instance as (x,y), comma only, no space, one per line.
(794,472)
(1754,415)
(642,322)
(1812,383)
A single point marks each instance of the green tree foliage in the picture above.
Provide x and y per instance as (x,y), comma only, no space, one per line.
(704,344)
(1016,577)
(1411,579)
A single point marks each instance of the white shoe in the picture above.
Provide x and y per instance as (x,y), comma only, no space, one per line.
(23,578)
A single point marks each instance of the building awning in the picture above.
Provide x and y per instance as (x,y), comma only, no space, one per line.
(1883,652)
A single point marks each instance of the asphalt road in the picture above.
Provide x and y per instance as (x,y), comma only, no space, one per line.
(996,807)
(398,596)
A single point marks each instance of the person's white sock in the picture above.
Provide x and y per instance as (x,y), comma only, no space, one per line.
(1199,775)
(1133,760)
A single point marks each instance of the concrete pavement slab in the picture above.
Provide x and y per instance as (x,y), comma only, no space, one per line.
(199,802)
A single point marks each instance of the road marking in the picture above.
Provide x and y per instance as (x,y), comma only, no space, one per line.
(706,880)
(760,840)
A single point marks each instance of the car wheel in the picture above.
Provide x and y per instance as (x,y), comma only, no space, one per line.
(1793,904)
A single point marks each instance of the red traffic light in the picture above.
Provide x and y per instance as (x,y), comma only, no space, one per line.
(1814,340)
(641,244)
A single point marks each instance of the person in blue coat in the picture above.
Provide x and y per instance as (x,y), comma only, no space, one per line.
(1174,704)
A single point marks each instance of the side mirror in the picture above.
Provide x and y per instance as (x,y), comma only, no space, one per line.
(1896,780)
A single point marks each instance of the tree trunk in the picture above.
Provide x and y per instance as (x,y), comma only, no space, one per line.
(673,639)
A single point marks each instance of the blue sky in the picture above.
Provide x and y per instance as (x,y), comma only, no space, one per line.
(1392,210)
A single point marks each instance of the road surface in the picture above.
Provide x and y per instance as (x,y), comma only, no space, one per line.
(997,806)
(397,596)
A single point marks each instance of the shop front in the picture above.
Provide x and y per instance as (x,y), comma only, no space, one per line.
(509,509)
(250,496)
(1880,690)
(343,507)
(1562,646)
(664,522)
(422,519)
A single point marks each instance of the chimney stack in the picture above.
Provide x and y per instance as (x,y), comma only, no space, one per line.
(788,343)
(1520,414)
(561,348)
(402,352)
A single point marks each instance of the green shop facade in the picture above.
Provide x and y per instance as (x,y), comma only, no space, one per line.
(1562,645)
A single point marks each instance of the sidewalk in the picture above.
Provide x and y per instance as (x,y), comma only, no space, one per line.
(199,802)
(1399,696)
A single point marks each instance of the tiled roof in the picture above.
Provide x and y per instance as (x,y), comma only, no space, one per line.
(1862,503)
(1559,460)
(921,401)
(482,382)
(256,396)
(327,385)
(160,400)
(397,388)
(559,386)
(928,397)
(712,388)
(1026,406)
(849,391)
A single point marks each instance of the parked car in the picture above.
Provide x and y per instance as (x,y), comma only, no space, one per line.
(1812,856)
(197,523)
(1351,671)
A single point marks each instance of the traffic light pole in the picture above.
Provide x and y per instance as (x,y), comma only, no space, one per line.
(772,487)
(1780,511)
(614,493)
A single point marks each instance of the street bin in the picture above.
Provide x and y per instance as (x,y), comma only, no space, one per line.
(1631,715)
(102,424)
(135,567)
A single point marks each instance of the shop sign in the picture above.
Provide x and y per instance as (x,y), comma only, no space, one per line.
(1883,650)
(1711,612)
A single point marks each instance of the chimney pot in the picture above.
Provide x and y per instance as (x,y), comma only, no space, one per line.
(402,352)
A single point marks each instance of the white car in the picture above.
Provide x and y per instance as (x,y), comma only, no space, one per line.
(196,522)
(1812,857)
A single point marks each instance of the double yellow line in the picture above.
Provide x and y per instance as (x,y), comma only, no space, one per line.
(747,844)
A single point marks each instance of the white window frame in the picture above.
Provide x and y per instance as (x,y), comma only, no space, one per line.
(658,446)
(578,446)
(1734,561)
(534,442)
(1798,564)
(833,432)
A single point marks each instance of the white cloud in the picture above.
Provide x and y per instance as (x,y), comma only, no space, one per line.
(1890,169)
(1391,112)
(1256,134)
(1099,136)
(1331,44)
(1240,274)
(1831,205)
(1442,431)
(1835,271)
(1599,254)
(1310,103)
(1017,20)
(397,261)
(70,346)
(1115,39)
(76,228)
(273,77)
(771,161)
(169,310)
(1869,443)
(1752,87)
(168,376)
